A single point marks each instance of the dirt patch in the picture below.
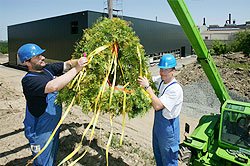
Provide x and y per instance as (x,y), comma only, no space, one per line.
(15,149)
(3,58)
(233,68)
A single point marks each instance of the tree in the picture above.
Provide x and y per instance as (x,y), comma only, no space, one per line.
(242,42)
(220,47)
(4,47)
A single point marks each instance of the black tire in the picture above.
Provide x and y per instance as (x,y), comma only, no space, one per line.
(184,156)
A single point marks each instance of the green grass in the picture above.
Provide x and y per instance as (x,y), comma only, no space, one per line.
(244,66)
(115,142)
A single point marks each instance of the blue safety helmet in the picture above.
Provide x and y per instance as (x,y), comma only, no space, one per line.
(167,61)
(27,51)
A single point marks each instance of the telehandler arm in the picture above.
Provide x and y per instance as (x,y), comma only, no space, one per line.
(204,58)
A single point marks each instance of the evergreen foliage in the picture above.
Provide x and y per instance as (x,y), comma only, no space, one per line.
(123,59)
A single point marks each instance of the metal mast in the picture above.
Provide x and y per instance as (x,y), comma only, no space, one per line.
(114,8)
(110,8)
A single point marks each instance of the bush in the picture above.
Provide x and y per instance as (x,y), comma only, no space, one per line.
(4,47)
(219,48)
(242,42)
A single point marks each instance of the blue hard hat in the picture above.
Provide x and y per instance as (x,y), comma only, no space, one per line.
(27,51)
(167,61)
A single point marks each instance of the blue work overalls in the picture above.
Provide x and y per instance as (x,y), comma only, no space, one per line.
(166,138)
(38,130)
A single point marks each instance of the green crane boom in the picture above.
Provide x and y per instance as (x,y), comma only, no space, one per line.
(181,12)
(216,136)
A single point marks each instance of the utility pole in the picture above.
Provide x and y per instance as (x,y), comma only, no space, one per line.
(110,8)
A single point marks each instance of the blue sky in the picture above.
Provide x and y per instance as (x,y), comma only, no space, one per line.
(215,11)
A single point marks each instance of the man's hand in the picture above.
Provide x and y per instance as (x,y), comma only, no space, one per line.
(143,81)
(83,61)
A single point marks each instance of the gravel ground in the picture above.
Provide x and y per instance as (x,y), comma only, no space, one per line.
(199,96)
(199,99)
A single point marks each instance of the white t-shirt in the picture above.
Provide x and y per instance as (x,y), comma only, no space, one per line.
(172,98)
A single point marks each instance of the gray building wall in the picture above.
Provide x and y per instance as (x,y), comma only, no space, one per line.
(156,37)
(52,34)
(55,35)
(160,37)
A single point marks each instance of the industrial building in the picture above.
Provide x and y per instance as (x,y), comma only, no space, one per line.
(225,34)
(58,35)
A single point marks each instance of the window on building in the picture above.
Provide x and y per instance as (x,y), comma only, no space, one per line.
(206,37)
(74,27)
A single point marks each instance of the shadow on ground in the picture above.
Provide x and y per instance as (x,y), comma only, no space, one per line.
(96,156)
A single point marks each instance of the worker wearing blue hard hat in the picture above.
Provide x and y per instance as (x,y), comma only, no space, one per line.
(29,50)
(40,87)
(167,61)
(167,106)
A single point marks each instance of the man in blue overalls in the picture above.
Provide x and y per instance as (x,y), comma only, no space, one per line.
(40,87)
(167,106)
